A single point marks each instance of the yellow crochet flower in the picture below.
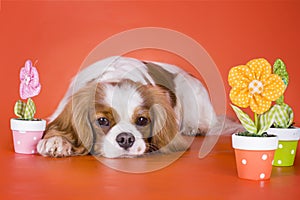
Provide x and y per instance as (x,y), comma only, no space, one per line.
(253,84)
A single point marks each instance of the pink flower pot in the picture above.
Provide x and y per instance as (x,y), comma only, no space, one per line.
(26,134)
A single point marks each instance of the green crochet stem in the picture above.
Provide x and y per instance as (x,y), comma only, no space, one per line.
(260,124)
(284,114)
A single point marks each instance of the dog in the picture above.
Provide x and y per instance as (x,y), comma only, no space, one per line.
(124,107)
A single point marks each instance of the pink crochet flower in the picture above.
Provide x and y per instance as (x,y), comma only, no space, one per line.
(30,85)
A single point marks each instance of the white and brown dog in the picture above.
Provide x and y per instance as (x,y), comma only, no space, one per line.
(123,107)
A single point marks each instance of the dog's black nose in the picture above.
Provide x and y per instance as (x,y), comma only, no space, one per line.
(125,140)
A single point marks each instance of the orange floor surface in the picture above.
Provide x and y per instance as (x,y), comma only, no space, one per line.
(214,177)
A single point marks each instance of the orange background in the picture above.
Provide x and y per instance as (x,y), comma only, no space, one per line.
(61,34)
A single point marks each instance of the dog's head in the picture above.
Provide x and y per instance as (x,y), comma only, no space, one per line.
(123,119)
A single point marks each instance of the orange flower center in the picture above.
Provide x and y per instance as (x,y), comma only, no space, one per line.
(256,87)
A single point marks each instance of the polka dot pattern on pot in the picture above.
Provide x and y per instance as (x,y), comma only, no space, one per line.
(264,157)
(254,165)
(244,161)
(293,151)
(285,154)
(262,176)
(26,143)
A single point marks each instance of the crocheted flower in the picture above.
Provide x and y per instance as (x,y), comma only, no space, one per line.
(253,84)
(30,85)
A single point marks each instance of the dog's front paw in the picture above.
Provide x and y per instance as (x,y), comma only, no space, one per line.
(55,146)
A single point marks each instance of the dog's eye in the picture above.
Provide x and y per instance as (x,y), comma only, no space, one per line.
(142,121)
(103,121)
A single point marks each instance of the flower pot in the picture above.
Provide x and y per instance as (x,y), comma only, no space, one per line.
(287,145)
(26,134)
(254,156)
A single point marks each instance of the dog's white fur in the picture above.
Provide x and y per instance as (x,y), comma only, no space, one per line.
(193,96)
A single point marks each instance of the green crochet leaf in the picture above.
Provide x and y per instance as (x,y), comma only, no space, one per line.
(266,120)
(19,108)
(29,110)
(284,116)
(246,121)
(279,68)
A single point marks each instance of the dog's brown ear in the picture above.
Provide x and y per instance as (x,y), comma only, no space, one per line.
(165,131)
(74,121)
(165,134)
